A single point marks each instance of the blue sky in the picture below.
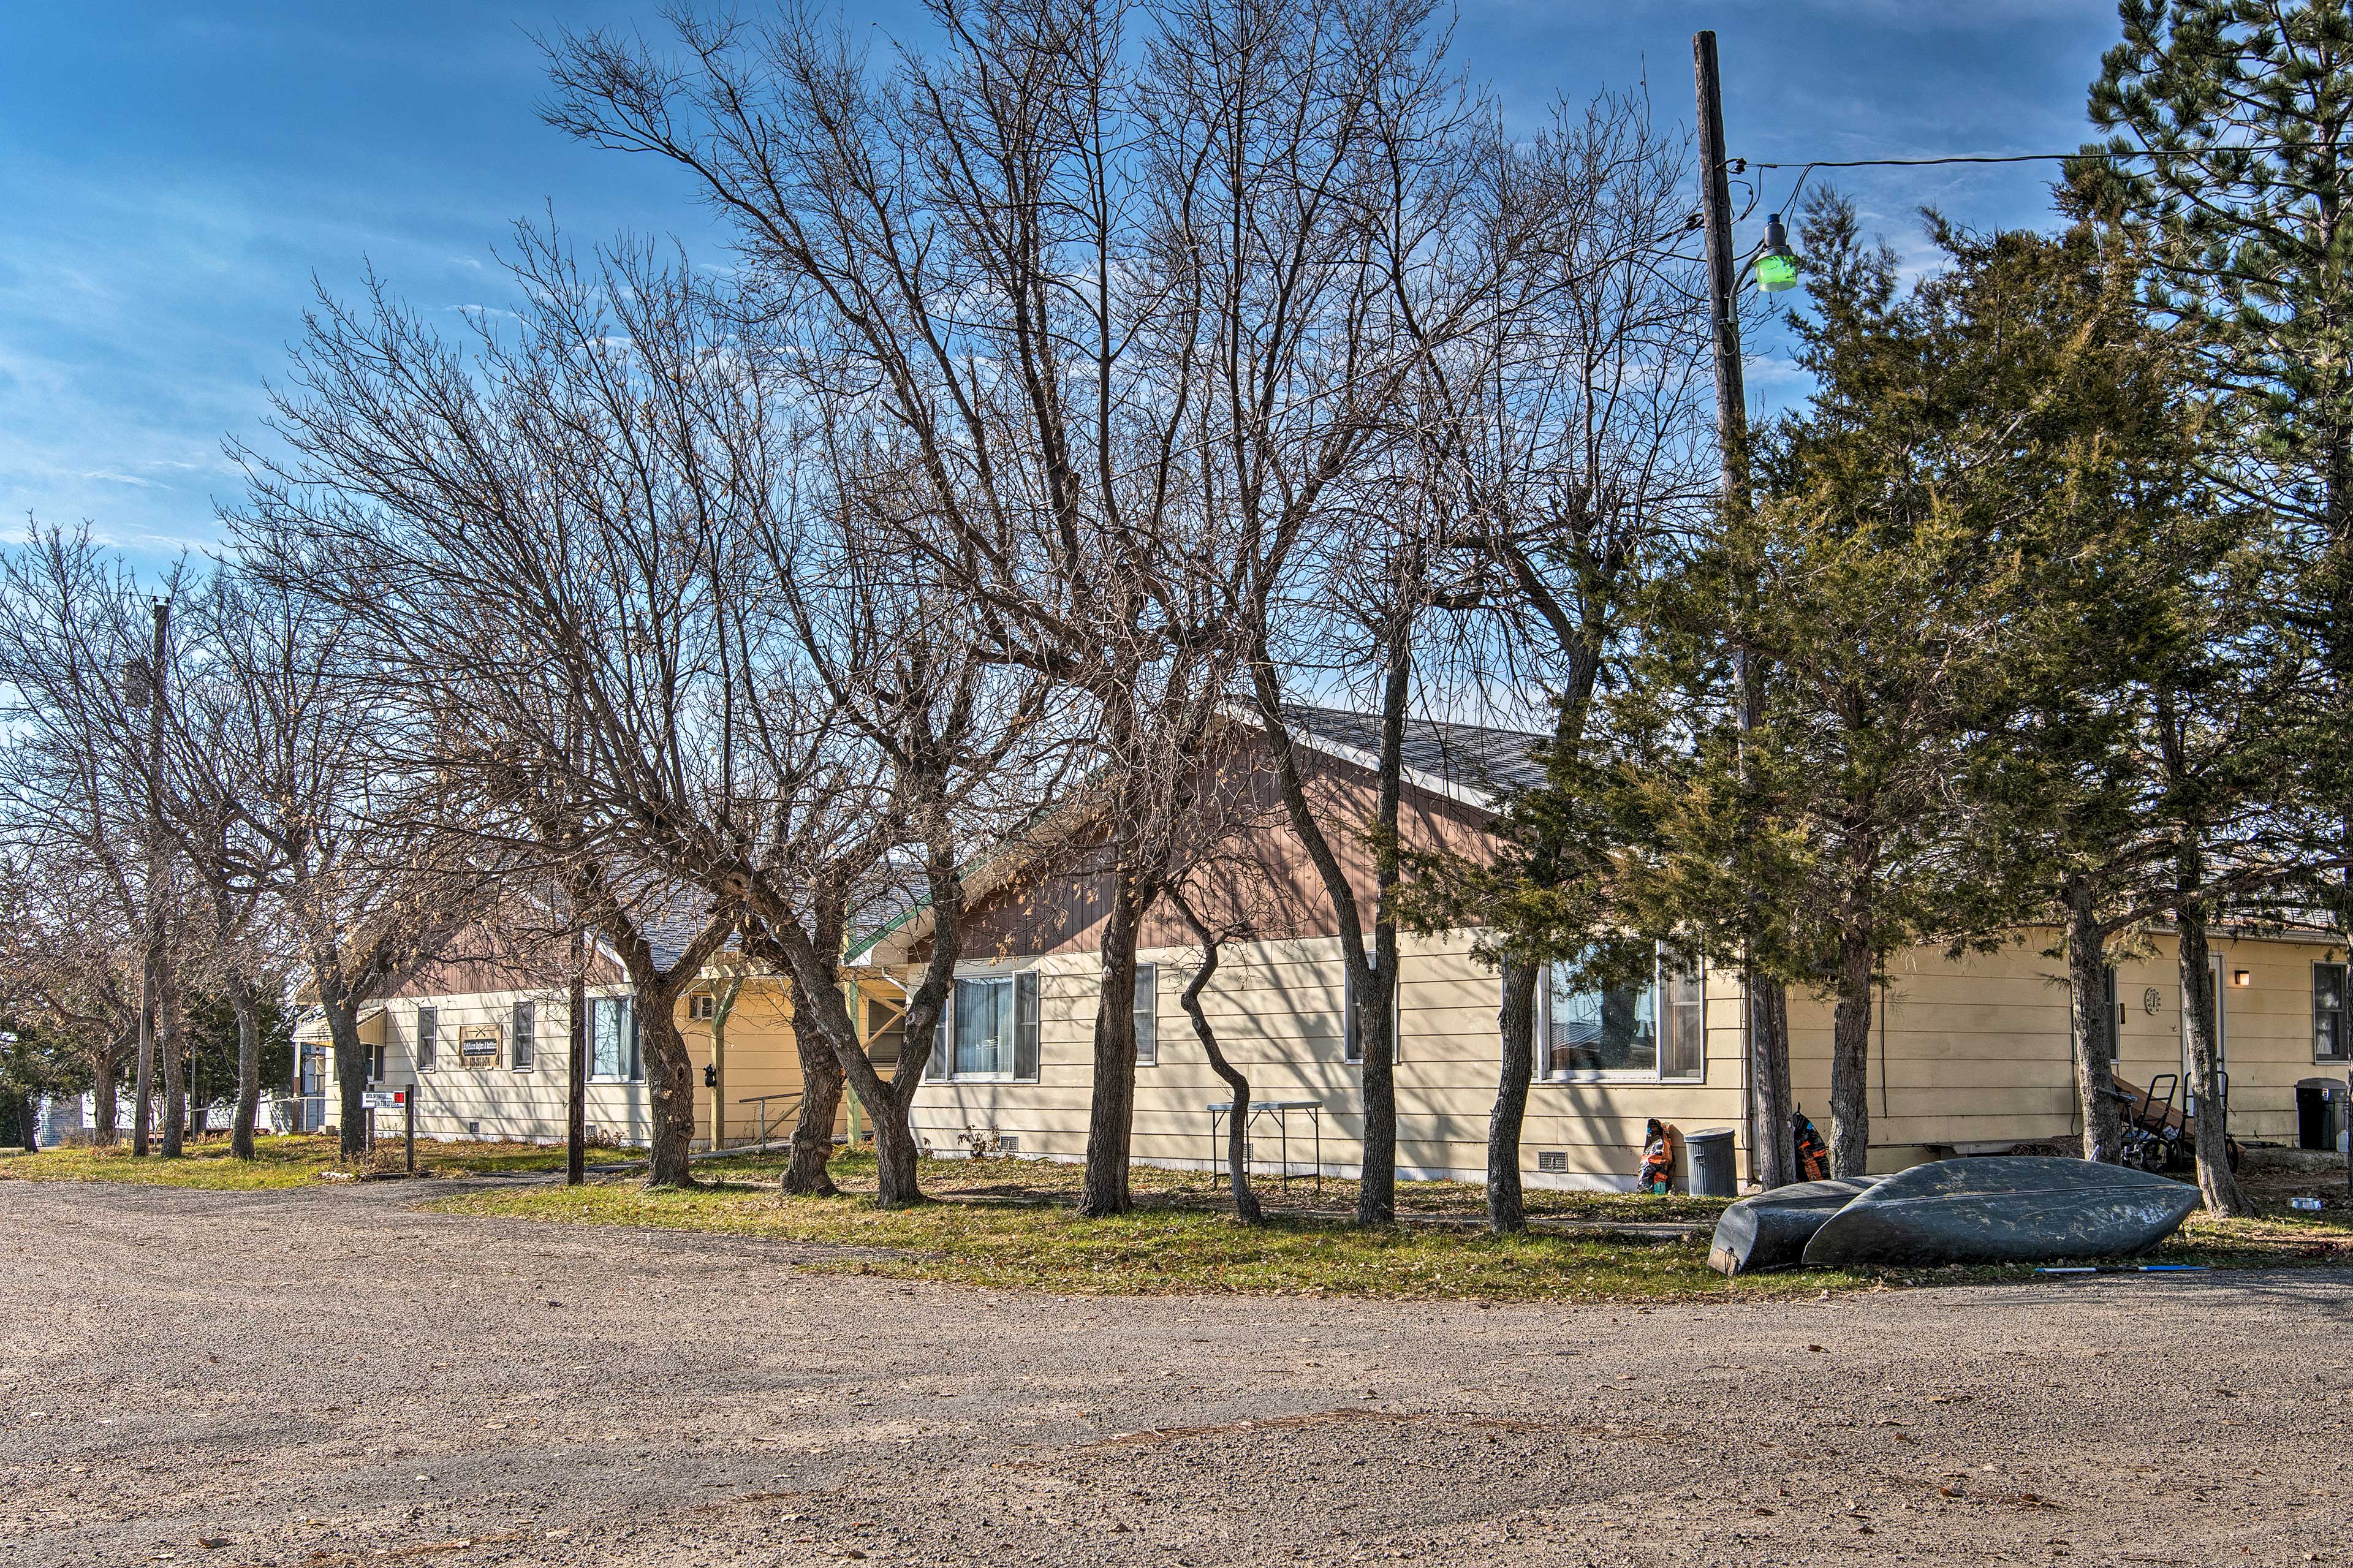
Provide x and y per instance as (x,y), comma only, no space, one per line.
(174,176)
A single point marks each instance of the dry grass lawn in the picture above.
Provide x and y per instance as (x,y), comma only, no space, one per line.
(293,1160)
(1011,1224)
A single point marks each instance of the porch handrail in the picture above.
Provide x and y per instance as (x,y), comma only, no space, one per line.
(761,1101)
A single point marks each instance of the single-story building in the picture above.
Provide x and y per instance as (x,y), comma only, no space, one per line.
(1970,1053)
(484,1047)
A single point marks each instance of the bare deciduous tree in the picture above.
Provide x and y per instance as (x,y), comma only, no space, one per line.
(75,657)
(974,257)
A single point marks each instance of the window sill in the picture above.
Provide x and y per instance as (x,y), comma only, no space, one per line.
(1610,1078)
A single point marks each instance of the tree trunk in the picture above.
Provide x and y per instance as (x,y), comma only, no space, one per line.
(248,1008)
(897,1181)
(575,1071)
(1377,1005)
(820,1008)
(104,1110)
(2094,1026)
(351,1065)
(142,1069)
(669,1089)
(2215,1179)
(173,1021)
(1377,1184)
(28,1119)
(1769,1027)
(1851,1057)
(1237,1182)
(806,1170)
(1506,1211)
(1111,1114)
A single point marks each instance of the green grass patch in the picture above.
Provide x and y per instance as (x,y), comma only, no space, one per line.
(1054,1181)
(292,1160)
(1012,1225)
(2271,1239)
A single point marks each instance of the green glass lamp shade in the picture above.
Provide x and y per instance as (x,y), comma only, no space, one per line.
(1776,265)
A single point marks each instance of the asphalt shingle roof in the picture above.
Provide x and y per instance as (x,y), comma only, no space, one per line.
(1470,756)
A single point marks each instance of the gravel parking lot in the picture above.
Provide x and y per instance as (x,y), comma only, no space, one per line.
(318,1376)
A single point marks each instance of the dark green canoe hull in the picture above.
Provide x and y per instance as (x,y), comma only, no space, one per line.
(2008,1209)
(1771,1229)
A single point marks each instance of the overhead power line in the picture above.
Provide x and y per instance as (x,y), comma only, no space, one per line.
(1738,164)
(1922,163)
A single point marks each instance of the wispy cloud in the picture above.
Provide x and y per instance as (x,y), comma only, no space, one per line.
(157,258)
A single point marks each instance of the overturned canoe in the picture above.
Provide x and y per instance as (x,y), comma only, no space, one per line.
(1771,1229)
(2009,1209)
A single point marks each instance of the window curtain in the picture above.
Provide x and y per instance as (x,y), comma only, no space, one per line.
(983,1026)
(1147,1013)
(1026,1029)
(612,1043)
(2328,1036)
(941,1036)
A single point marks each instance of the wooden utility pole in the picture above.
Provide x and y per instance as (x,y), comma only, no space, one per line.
(147,689)
(576,1051)
(1763,1006)
(1723,286)
(576,1110)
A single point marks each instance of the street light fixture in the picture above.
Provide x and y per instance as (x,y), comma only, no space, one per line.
(1776,265)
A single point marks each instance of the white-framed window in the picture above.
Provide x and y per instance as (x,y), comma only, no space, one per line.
(703,1006)
(1147,1014)
(525,1051)
(2330,1041)
(428,1037)
(613,1039)
(1683,1022)
(989,1030)
(1646,1033)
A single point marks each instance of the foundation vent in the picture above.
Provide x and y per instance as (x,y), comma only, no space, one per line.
(1553,1160)
(473,1130)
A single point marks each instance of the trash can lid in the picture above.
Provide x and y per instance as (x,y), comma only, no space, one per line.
(1707,1133)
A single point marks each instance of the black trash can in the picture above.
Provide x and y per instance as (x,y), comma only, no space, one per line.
(2316,1112)
(1710,1149)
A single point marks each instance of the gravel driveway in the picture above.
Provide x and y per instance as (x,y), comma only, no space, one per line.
(322,1376)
